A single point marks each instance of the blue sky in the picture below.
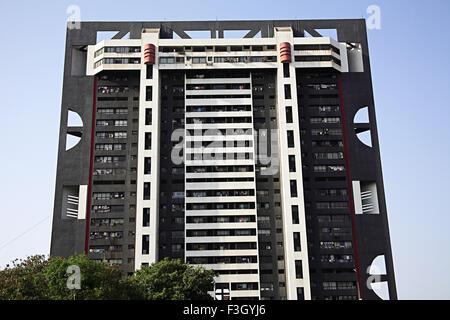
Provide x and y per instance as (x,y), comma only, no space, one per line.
(410,65)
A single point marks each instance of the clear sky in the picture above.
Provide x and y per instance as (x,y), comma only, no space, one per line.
(410,68)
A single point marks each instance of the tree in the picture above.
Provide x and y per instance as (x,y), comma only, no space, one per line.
(24,280)
(98,280)
(174,280)
(37,278)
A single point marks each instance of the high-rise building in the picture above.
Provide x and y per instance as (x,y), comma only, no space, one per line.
(247,147)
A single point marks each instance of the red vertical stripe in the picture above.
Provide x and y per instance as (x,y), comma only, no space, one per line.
(91,168)
(350,187)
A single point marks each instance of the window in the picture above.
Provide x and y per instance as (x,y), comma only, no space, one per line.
(300,294)
(146,217)
(120,49)
(290,139)
(332,205)
(146,190)
(287,91)
(335,245)
(332,192)
(103,123)
(149,93)
(147,165)
(291,163)
(340,258)
(198,60)
(120,135)
(295,219)
(178,195)
(177,234)
(121,111)
(325,120)
(177,248)
(327,143)
(330,168)
(298,269)
(148,141)
(293,185)
(318,58)
(110,135)
(166,60)
(297,246)
(107,159)
(329,285)
(145,244)
(148,116)
(322,86)
(286,70)
(264,219)
(329,155)
(120,123)
(322,47)
(178,220)
(325,108)
(346,285)
(121,60)
(98,64)
(288,113)
(320,168)
(99,52)
(107,208)
(105,110)
(326,132)
(339,205)
(105,235)
(244,286)
(149,71)
(267,286)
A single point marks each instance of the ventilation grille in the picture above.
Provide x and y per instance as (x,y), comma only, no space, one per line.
(365,197)
(367,204)
(72,206)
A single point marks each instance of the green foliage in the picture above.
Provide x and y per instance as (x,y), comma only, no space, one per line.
(37,278)
(174,280)
(97,278)
(24,280)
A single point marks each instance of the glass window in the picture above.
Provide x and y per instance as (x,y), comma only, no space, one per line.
(293,185)
(146,190)
(148,93)
(147,165)
(287,91)
(145,244)
(298,269)
(148,116)
(297,245)
(289,114)
(290,138)
(148,141)
(295,218)
(292,163)
(146,217)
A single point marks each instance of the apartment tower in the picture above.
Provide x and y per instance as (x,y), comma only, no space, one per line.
(246,147)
